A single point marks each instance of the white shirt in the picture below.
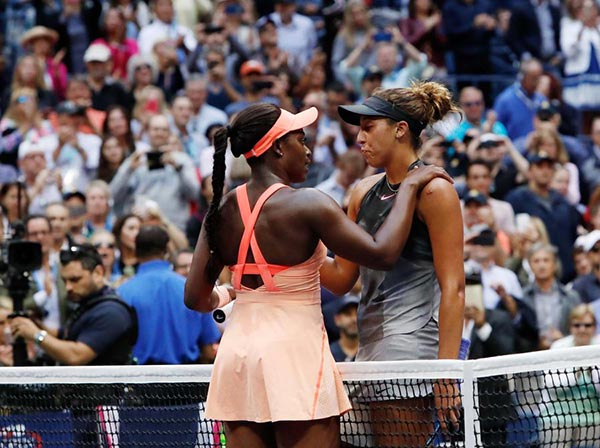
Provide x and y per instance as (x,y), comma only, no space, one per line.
(494,275)
(159,31)
(207,116)
(299,38)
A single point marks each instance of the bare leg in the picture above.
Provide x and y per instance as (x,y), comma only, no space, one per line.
(324,433)
(406,423)
(244,434)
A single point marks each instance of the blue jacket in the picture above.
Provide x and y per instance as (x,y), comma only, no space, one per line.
(169,333)
(561,220)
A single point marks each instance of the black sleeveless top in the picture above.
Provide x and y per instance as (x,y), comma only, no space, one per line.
(376,206)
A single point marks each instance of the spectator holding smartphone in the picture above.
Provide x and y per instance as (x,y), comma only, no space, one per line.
(164,173)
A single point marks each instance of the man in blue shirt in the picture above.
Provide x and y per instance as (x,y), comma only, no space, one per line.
(538,199)
(169,333)
(516,106)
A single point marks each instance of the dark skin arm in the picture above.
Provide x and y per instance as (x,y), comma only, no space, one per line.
(322,217)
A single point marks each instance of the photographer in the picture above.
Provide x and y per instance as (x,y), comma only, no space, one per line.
(102,329)
(165,173)
(259,87)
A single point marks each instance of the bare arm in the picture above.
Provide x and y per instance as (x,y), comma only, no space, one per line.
(339,275)
(350,241)
(439,206)
(199,294)
(72,353)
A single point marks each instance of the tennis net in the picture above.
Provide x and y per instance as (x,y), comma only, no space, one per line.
(542,399)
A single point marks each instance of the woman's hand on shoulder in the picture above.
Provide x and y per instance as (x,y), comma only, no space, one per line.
(424,175)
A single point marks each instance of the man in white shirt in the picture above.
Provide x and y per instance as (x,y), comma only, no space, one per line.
(204,114)
(296,33)
(164,27)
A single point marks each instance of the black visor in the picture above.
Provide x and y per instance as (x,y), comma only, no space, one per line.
(378,107)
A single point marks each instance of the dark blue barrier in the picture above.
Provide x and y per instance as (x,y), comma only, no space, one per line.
(37,430)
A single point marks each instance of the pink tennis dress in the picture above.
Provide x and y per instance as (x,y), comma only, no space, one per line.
(274,361)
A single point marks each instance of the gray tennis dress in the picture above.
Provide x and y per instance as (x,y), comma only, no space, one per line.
(398,310)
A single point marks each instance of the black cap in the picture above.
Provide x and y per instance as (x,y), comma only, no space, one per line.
(475,196)
(72,194)
(376,107)
(70,108)
(546,110)
(373,72)
(539,157)
(347,300)
(486,237)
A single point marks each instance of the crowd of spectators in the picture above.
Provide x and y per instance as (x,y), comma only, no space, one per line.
(108,110)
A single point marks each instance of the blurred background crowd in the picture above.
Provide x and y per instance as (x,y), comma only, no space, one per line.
(108,109)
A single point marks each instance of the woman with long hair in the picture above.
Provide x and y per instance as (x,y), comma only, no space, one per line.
(22,121)
(275,380)
(125,230)
(28,73)
(118,124)
(415,310)
(115,38)
(112,154)
(423,29)
(355,29)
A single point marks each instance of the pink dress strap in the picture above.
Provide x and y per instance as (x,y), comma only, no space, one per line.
(248,241)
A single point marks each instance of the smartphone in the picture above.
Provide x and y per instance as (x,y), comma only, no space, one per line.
(153,160)
(212,29)
(261,85)
(382,36)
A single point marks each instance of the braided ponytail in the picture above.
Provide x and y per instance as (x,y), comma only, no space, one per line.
(211,221)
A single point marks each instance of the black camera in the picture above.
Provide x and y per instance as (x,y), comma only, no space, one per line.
(257,86)
(213,29)
(20,256)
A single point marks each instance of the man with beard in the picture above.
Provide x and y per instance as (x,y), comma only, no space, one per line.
(101,331)
(345,348)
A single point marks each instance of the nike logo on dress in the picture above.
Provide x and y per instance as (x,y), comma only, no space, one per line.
(387,196)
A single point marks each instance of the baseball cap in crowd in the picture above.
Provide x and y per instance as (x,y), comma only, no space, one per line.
(372,73)
(486,237)
(546,110)
(73,194)
(346,301)
(252,67)
(97,53)
(539,157)
(475,196)
(588,241)
(69,108)
(28,148)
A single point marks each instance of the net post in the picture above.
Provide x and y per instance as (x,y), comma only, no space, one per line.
(468,401)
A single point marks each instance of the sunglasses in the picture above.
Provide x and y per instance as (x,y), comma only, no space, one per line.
(78,253)
(581,325)
(471,103)
(104,245)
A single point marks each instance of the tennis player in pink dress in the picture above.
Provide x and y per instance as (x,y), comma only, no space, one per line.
(275,383)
